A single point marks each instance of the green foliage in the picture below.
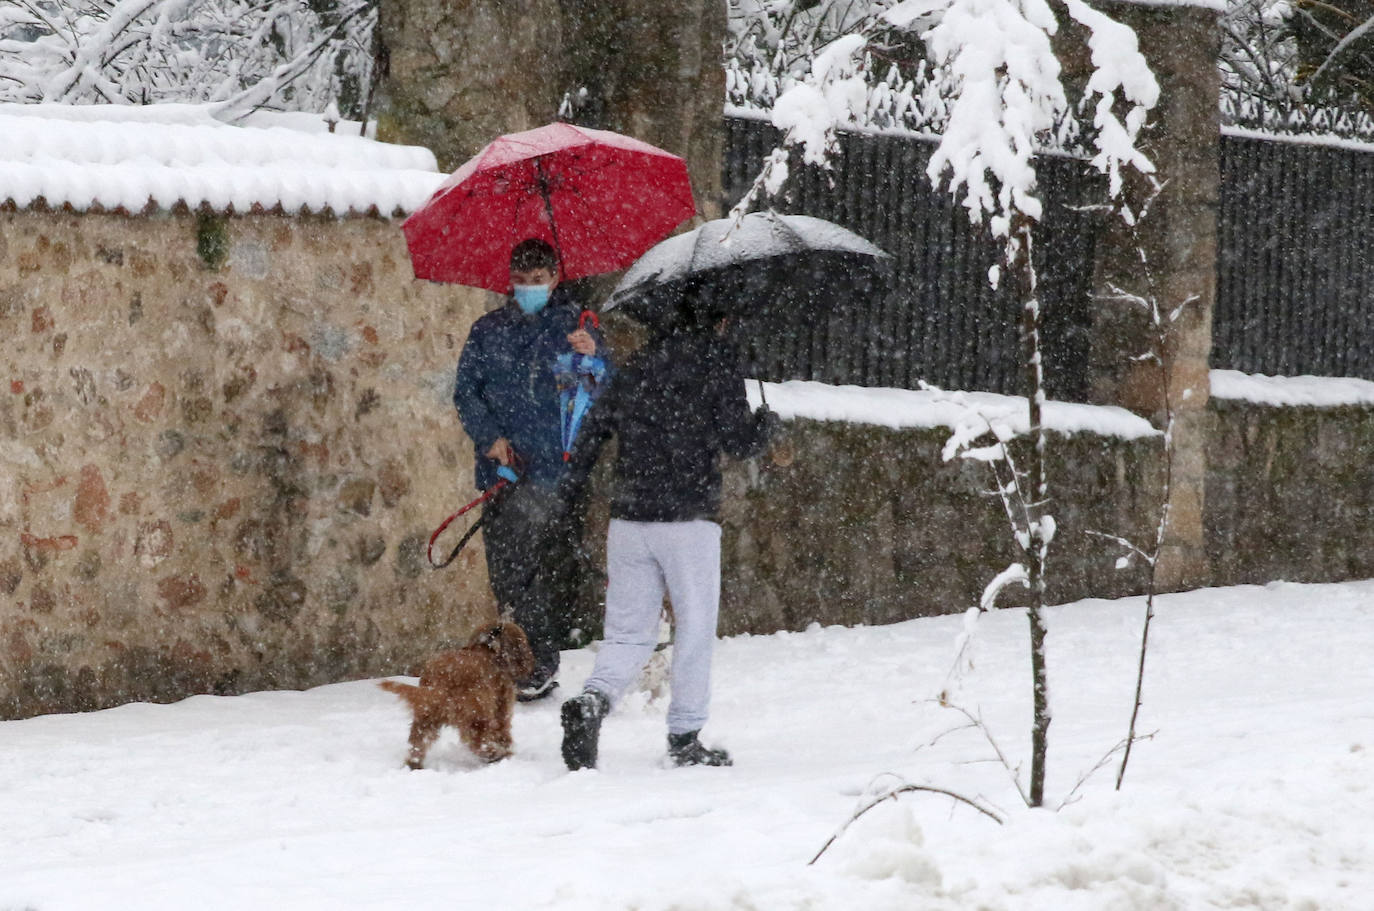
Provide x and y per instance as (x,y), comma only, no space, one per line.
(212,240)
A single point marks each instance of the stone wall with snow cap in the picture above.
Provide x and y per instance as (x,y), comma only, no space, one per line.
(868,523)
(223,443)
(1290,483)
(131,159)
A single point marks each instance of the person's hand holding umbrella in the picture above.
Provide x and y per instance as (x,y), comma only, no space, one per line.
(582,342)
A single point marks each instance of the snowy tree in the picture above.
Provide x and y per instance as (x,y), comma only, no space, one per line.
(1269,49)
(1258,52)
(1334,41)
(1005,99)
(1297,67)
(240,55)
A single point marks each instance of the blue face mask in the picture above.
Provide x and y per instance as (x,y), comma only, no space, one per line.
(531,298)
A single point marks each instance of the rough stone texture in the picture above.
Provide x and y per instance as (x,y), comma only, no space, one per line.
(1290,493)
(459,74)
(869,525)
(222,480)
(218,482)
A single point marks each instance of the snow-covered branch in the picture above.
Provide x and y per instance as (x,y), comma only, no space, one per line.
(301,55)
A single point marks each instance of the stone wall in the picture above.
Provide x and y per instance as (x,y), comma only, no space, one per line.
(1290,493)
(869,525)
(223,443)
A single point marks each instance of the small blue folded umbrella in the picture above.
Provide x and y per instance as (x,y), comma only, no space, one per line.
(579,378)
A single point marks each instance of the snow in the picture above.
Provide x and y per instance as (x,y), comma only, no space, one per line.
(999,55)
(727,241)
(1313,391)
(809,113)
(901,408)
(1118,69)
(1253,792)
(123,157)
(1313,139)
(926,409)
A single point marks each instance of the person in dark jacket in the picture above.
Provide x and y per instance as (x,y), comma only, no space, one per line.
(507,400)
(673,410)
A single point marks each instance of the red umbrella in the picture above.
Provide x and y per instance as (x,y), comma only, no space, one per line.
(600,198)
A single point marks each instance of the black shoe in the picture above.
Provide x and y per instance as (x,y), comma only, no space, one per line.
(685,749)
(533,692)
(582,729)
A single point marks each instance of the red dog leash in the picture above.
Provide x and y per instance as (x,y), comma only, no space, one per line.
(505,478)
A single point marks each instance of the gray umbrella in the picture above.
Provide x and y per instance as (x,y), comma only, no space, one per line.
(763,263)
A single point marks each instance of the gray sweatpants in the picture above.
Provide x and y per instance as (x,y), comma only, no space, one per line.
(641,559)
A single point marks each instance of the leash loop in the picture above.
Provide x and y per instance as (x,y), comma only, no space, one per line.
(506,477)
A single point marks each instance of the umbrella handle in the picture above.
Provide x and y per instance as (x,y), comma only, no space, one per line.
(588,315)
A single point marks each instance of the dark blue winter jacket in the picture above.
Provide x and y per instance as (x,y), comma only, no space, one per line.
(505,386)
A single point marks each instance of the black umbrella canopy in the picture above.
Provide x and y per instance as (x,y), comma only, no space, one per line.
(762,267)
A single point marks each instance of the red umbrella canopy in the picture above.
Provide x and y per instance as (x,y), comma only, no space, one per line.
(600,198)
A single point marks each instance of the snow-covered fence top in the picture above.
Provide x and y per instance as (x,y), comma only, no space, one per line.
(902,408)
(136,159)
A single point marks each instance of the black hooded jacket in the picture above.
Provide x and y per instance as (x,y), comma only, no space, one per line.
(674,409)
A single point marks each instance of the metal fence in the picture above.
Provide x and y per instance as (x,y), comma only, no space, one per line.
(939,320)
(1294,274)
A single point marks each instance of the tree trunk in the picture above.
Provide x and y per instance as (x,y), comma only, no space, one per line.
(1022,263)
(1179,240)
(653,70)
(454,74)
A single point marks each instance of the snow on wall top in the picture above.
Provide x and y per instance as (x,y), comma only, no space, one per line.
(903,408)
(900,408)
(135,158)
(1311,391)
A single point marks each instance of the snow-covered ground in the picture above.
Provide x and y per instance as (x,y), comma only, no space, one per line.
(1253,793)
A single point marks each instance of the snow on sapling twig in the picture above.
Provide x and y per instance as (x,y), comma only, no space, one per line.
(1005,97)
(1162,322)
(892,793)
(983,436)
(1009,94)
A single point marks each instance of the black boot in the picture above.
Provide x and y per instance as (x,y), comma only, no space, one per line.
(685,749)
(534,690)
(582,729)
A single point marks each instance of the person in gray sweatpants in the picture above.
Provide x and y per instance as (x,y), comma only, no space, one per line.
(674,409)
(642,558)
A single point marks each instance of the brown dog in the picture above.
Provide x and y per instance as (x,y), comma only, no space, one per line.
(472,689)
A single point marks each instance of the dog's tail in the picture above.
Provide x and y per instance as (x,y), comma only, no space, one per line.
(418,697)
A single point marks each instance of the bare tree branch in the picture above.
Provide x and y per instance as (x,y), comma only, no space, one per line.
(893,794)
